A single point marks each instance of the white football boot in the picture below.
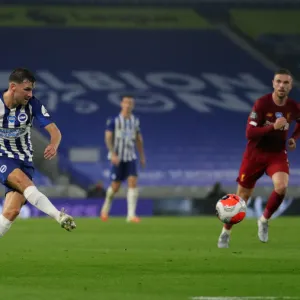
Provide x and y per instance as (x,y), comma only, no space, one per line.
(224,239)
(66,221)
(263,231)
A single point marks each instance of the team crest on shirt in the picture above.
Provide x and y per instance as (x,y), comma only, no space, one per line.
(278,115)
(288,116)
(11,119)
(22,117)
(269,115)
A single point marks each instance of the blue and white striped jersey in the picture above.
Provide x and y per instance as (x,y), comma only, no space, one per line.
(124,131)
(15,124)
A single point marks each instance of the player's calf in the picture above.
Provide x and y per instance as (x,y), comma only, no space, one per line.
(273,203)
(110,193)
(11,209)
(11,213)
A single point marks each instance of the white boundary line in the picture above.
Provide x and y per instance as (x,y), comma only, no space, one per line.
(245,298)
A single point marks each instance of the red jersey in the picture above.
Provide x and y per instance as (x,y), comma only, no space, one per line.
(260,132)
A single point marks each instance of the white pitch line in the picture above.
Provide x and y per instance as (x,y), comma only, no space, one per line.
(245,298)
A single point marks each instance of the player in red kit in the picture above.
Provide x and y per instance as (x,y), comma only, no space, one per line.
(267,134)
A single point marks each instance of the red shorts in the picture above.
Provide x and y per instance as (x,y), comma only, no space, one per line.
(252,168)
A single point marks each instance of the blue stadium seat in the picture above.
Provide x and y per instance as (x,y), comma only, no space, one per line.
(193,102)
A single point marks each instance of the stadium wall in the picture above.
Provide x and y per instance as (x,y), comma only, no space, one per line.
(200,207)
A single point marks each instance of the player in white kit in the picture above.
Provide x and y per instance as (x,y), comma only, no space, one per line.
(122,136)
(18,108)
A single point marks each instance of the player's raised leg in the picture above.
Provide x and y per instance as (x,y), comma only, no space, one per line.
(19,181)
(110,193)
(250,171)
(280,182)
(224,238)
(132,198)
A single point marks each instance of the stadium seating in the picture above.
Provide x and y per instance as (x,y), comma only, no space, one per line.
(194,91)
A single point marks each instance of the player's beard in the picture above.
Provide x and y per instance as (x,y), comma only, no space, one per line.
(281,95)
(25,101)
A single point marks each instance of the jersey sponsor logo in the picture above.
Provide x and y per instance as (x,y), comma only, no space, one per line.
(3,168)
(11,119)
(288,116)
(22,117)
(253,115)
(127,133)
(12,132)
(278,114)
(269,115)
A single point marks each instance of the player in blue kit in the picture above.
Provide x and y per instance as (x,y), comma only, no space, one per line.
(18,108)
(122,135)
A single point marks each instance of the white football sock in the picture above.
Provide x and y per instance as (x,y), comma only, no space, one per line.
(4,225)
(228,231)
(263,219)
(108,200)
(132,196)
(40,201)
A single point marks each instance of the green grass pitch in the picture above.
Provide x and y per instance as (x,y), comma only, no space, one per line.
(161,258)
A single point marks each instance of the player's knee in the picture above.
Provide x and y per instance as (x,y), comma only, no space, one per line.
(280,188)
(132,182)
(115,187)
(19,180)
(132,185)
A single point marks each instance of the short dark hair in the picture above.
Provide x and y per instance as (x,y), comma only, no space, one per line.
(20,74)
(126,96)
(283,71)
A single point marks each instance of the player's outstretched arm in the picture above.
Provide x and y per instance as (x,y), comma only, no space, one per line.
(55,139)
(140,148)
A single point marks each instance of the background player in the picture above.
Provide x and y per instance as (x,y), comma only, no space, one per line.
(267,132)
(121,136)
(18,107)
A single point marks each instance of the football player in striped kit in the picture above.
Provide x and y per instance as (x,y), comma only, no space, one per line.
(18,108)
(122,136)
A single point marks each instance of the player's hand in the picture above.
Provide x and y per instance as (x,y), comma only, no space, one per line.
(292,144)
(115,159)
(143,162)
(50,152)
(280,123)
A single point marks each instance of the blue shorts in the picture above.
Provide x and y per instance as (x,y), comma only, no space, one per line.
(122,171)
(7,165)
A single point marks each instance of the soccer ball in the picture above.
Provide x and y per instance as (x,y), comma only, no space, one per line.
(231,209)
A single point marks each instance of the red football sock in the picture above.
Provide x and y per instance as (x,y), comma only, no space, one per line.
(228,226)
(273,203)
